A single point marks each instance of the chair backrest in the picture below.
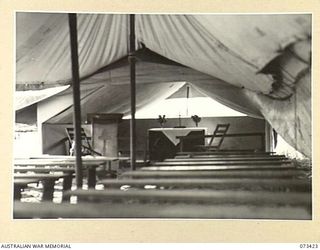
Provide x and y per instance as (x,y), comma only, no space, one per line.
(219,133)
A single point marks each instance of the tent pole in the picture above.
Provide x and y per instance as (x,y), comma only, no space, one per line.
(133,93)
(76,95)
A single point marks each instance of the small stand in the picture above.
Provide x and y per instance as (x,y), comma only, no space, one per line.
(180,126)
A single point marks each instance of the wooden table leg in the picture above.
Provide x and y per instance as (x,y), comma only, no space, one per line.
(48,189)
(91,176)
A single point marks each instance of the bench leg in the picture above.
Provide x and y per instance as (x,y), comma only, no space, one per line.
(67,184)
(17,192)
(91,177)
(48,189)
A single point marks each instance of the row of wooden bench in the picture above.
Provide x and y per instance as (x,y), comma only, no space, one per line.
(259,190)
(187,179)
(48,169)
(45,171)
(168,198)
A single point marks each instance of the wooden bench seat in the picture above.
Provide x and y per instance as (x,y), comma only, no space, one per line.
(221,163)
(276,184)
(227,156)
(223,173)
(233,158)
(195,211)
(44,169)
(57,162)
(225,153)
(195,197)
(215,168)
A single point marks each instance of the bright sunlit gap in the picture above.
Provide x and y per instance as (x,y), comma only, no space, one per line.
(185,107)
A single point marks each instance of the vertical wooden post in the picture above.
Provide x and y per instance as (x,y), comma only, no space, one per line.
(133,93)
(76,95)
(268,137)
(188,91)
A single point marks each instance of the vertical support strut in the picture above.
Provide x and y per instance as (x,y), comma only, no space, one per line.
(268,137)
(188,92)
(76,95)
(132,92)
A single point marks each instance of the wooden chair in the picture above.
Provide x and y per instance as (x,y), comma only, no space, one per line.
(86,148)
(218,134)
(217,138)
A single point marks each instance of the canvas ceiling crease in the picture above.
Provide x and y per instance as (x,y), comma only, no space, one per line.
(252,68)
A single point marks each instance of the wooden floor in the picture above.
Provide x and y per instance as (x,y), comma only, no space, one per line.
(229,185)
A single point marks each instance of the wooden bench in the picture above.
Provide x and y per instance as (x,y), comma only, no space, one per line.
(89,164)
(195,197)
(226,153)
(72,158)
(22,210)
(276,184)
(20,184)
(47,180)
(224,173)
(222,158)
(215,168)
(228,156)
(67,181)
(44,169)
(221,163)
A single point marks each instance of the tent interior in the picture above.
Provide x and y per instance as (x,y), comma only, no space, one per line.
(254,69)
(244,79)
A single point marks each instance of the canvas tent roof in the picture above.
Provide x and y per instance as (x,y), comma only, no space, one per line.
(256,64)
(187,91)
(24,99)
